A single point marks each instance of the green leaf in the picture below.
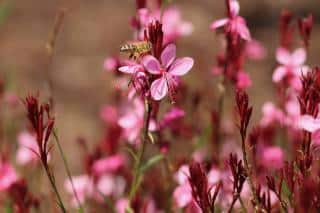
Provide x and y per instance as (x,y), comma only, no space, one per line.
(129,210)
(152,161)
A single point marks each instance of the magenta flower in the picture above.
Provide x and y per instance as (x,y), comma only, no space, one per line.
(173,25)
(243,80)
(168,69)
(234,24)
(271,114)
(292,65)
(108,164)
(8,175)
(309,123)
(83,185)
(28,148)
(132,122)
(273,157)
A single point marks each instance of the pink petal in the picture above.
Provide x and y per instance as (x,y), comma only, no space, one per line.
(182,195)
(279,74)
(243,80)
(234,7)
(244,32)
(309,123)
(272,157)
(130,69)
(299,56)
(168,55)
(185,28)
(159,88)
(110,64)
(219,23)
(151,64)
(283,56)
(108,164)
(181,66)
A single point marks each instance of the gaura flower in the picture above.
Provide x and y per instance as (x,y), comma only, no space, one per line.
(309,123)
(168,69)
(234,24)
(291,64)
(8,175)
(28,148)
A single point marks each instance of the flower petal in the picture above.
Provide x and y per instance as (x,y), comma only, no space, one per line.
(151,64)
(159,88)
(279,74)
(219,23)
(309,123)
(181,66)
(168,55)
(283,56)
(131,69)
(299,56)
(234,7)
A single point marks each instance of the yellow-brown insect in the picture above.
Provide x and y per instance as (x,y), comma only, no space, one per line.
(136,49)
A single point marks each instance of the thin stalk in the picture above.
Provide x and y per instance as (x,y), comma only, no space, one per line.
(137,175)
(54,187)
(65,163)
(249,172)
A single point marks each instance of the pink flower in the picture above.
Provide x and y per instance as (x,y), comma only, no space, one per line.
(132,122)
(243,80)
(255,50)
(173,26)
(290,65)
(270,114)
(121,205)
(234,24)
(108,185)
(8,175)
(109,114)
(83,185)
(309,123)
(28,148)
(182,195)
(110,63)
(168,69)
(272,157)
(108,164)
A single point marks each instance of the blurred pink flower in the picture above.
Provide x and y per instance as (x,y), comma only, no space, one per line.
(172,24)
(243,80)
(309,123)
(111,64)
(121,205)
(171,117)
(108,185)
(109,114)
(182,195)
(290,65)
(234,24)
(255,50)
(169,68)
(108,164)
(271,114)
(132,121)
(8,175)
(11,99)
(28,148)
(316,137)
(83,185)
(272,157)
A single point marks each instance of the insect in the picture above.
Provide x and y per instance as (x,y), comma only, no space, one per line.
(136,49)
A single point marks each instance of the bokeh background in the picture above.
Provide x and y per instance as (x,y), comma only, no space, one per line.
(94,29)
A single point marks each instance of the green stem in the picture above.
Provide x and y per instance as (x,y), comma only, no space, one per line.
(137,175)
(54,187)
(65,163)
